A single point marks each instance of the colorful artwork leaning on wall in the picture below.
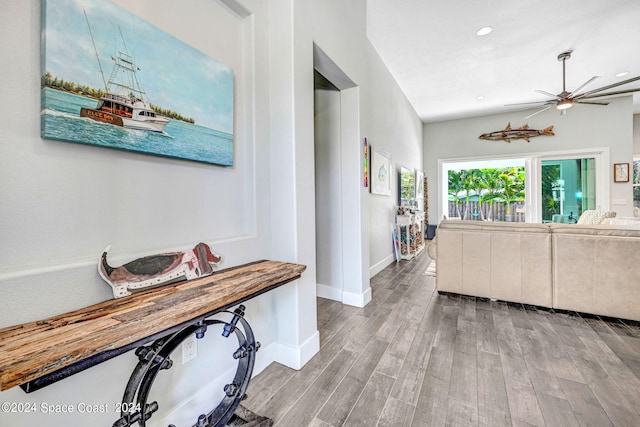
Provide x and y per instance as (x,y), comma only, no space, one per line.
(158,270)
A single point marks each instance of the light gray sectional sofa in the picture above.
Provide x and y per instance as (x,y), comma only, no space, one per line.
(586,268)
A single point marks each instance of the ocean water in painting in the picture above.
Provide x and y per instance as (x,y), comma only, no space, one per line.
(61,119)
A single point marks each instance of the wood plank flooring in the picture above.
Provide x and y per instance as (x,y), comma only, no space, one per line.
(412,357)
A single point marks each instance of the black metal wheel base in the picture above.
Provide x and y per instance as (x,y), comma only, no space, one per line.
(155,357)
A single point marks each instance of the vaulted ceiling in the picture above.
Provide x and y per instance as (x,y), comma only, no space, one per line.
(441,64)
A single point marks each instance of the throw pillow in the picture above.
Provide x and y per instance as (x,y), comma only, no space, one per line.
(625,221)
(592,216)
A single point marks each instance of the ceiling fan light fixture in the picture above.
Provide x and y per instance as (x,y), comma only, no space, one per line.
(484,31)
(564,104)
(564,100)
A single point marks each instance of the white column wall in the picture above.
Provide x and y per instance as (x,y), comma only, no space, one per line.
(292,176)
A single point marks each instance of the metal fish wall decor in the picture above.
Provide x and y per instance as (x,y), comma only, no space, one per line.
(523,132)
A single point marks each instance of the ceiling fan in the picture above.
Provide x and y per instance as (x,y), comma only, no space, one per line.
(565,100)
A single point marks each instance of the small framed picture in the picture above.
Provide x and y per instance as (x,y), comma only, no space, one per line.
(380,172)
(621,172)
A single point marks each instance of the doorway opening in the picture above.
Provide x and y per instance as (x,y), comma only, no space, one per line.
(342,270)
(328,188)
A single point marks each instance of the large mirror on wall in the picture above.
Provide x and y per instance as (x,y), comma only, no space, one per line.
(407,188)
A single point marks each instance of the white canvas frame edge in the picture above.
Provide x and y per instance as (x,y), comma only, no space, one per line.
(419,184)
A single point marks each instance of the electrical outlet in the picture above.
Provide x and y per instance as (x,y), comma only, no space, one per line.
(189,349)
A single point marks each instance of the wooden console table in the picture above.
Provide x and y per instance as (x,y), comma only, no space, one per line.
(36,354)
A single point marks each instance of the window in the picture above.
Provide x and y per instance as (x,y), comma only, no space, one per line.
(548,187)
(492,190)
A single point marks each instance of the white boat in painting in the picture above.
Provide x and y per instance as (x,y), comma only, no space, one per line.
(125,103)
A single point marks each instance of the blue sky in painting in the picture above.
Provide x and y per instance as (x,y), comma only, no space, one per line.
(174,75)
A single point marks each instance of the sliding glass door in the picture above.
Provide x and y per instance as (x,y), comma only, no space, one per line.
(568,188)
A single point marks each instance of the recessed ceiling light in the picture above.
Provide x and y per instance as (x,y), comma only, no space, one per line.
(480,97)
(622,74)
(484,31)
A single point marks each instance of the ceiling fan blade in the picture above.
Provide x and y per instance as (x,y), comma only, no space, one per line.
(585,84)
(547,93)
(600,95)
(590,102)
(526,103)
(538,112)
(600,89)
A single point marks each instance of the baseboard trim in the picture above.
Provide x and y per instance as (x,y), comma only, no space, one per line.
(328,292)
(349,298)
(296,358)
(358,300)
(379,266)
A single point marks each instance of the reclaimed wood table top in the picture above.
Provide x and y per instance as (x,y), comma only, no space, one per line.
(33,350)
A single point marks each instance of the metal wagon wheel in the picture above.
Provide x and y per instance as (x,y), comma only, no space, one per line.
(155,357)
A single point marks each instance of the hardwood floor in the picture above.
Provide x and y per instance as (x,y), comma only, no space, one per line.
(412,357)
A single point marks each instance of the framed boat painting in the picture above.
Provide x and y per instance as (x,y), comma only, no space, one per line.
(113,80)
(380,172)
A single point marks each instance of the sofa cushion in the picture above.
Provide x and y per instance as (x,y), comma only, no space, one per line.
(506,261)
(596,230)
(514,227)
(624,221)
(595,269)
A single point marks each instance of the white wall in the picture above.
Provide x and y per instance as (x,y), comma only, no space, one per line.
(582,127)
(62,203)
(387,120)
(393,126)
(338,42)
